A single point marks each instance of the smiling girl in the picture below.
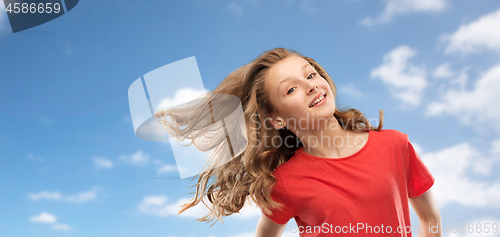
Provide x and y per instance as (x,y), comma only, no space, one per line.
(309,160)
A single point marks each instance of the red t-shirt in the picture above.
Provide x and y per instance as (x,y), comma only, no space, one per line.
(346,196)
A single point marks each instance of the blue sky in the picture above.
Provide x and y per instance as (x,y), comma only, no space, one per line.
(71,165)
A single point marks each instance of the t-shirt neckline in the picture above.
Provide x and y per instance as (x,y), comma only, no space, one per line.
(302,153)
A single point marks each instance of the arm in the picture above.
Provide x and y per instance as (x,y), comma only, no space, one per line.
(428,213)
(266,227)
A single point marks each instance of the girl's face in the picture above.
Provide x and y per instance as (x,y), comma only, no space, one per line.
(293,85)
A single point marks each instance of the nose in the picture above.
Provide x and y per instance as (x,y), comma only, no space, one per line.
(315,87)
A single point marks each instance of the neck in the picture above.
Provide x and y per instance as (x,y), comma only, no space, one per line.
(329,140)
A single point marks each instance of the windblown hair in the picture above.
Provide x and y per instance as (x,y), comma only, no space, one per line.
(248,173)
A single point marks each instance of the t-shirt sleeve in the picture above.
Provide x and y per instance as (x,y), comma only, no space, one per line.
(420,178)
(279,194)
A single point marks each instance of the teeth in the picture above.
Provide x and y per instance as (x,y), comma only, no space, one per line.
(317,100)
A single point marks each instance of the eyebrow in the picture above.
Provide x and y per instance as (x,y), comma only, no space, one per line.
(303,67)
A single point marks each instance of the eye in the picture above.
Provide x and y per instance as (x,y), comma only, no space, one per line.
(309,77)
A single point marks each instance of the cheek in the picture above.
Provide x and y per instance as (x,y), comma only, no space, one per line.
(292,109)
(325,84)
(327,88)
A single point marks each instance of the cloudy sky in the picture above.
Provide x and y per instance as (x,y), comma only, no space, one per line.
(71,164)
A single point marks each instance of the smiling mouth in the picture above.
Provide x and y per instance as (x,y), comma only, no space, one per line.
(317,101)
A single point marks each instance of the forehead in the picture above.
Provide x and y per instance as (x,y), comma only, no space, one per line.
(288,67)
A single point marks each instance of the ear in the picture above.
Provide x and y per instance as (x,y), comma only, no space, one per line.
(277,122)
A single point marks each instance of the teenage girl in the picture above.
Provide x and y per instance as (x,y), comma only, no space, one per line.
(328,168)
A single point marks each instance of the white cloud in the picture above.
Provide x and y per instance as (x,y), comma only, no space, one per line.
(167,169)
(495,147)
(235,7)
(190,160)
(401,7)
(102,163)
(350,89)
(418,149)
(461,80)
(249,210)
(405,80)
(475,36)
(138,158)
(182,96)
(48,218)
(156,161)
(44,217)
(451,168)
(474,107)
(151,130)
(57,196)
(160,206)
(443,71)
(82,197)
(62,227)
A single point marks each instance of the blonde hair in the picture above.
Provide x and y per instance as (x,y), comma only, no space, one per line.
(248,173)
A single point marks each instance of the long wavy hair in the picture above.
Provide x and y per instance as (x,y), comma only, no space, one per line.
(249,173)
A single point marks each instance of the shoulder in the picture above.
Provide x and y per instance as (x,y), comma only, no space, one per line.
(393,134)
(391,138)
(287,168)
